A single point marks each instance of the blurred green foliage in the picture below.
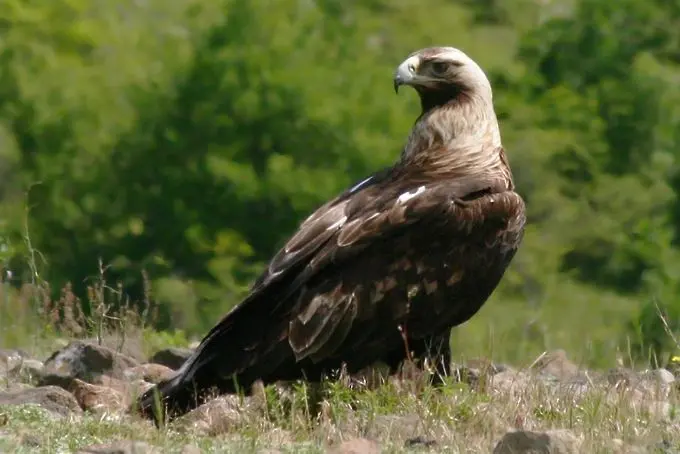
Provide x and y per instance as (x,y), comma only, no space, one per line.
(187,139)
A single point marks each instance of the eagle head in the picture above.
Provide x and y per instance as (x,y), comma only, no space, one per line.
(442,72)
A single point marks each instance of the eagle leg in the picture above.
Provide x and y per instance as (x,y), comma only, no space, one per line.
(434,353)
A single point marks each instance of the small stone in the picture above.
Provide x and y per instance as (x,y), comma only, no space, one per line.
(621,377)
(419,441)
(172,357)
(556,364)
(87,361)
(128,388)
(356,446)
(97,399)
(549,442)
(131,346)
(214,417)
(9,360)
(110,382)
(662,376)
(150,372)
(511,382)
(30,370)
(60,380)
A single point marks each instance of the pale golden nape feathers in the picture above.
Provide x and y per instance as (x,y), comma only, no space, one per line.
(457,130)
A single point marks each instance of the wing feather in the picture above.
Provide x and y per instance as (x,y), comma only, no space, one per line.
(326,315)
(335,233)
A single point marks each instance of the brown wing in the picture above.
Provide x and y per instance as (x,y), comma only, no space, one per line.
(367,295)
(339,231)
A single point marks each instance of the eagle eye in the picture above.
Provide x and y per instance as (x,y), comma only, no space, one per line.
(439,67)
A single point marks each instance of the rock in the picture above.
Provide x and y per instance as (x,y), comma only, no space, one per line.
(115,383)
(557,365)
(93,397)
(419,442)
(549,442)
(52,398)
(128,388)
(658,381)
(465,374)
(29,371)
(477,374)
(9,360)
(150,372)
(131,346)
(621,377)
(511,382)
(648,385)
(356,446)
(98,399)
(62,381)
(121,447)
(214,417)
(138,387)
(172,357)
(87,361)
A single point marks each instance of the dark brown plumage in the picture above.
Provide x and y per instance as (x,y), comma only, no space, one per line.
(417,247)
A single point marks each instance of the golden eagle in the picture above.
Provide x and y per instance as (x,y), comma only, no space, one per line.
(397,259)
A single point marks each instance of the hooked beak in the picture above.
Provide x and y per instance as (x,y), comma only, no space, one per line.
(406,72)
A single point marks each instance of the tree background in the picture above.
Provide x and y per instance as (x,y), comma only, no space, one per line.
(187,139)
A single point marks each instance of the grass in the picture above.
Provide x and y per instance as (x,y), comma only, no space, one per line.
(404,415)
(456,417)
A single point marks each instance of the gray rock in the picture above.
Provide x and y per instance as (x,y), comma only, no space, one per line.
(51,398)
(121,447)
(98,399)
(620,377)
(150,372)
(419,442)
(29,371)
(9,361)
(662,377)
(87,361)
(62,381)
(214,417)
(131,346)
(511,382)
(556,364)
(549,442)
(172,357)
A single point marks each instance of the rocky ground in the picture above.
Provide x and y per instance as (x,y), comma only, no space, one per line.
(76,400)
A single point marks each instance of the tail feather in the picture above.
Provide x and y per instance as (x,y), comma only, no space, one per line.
(169,399)
(198,381)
